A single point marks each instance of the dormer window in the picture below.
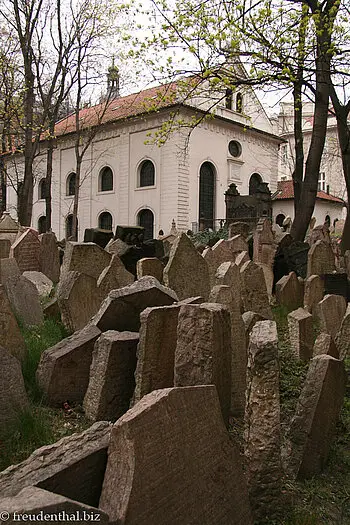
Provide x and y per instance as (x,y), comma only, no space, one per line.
(228,98)
(239,103)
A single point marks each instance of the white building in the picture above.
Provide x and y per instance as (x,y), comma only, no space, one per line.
(128,180)
(331,183)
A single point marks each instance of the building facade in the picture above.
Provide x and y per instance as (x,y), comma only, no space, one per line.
(127,178)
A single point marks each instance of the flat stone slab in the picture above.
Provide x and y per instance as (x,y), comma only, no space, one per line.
(24,299)
(10,334)
(63,371)
(330,313)
(13,396)
(41,282)
(47,507)
(113,277)
(74,467)
(173,463)
(121,310)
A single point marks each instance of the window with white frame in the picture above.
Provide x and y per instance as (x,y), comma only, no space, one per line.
(322,186)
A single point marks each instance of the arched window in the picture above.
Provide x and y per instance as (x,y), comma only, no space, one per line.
(42,224)
(327,221)
(254,183)
(69,226)
(228,98)
(71,182)
(145,219)
(279,219)
(42,189)
(239,103)
(146,174)
(206,195)
(105,221)
(105,179)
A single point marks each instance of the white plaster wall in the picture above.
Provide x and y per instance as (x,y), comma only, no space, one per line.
(322,208)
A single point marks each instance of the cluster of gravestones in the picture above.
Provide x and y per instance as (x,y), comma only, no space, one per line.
(168,358)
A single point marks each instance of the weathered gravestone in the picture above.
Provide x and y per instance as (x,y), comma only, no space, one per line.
(8,268)
(262,421)
(87,258)
(9,228)
(10,335)
(13,397)
(313,292)
(186,272)
(156,350)
(203,351)
(73,467)
(313,426)
(5,246)
(319,233)
(237,244)
(330,312)
(49,256)
(250,319)
(300,325)
(264,247)
(342,338)
(63,371)
(26,251)
(42,283)
(227,295)
(320,259)
(290,291)
(185,468)
(268,276)
(121,309)
(239,228)
(24,299)
(112,381)
(113,277)
(47,508)
(98,236)
(78,299)
(150,266)
(241,258)
(324,344)
(253,289)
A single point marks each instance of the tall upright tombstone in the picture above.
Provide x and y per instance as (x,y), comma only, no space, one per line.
(49,256)
(203,351)
(320,259)
(254,291)
(10,334)
(262,421)
(26,251)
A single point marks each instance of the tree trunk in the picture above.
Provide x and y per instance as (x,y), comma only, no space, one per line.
(76,199)
(48,182)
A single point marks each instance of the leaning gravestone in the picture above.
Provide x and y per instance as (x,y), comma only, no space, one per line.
(113,277)
(300,325)
(78,300)
(8,268)
(156,350)
(313,426)
(203,351)
(112,381)
(9,228)
(200,482)
(150,266)
(49,256)
(227,295)
(313,292)
(262,421)
(63,371)
(121,309)
(324,344)
(10,335)
(26,251)
(39,503)
(250,319)
(24,299)
(41,282)
(290,292)
(343,336)
(73,467)
(239,228)
(85,257)
(321,259)
(330,312)
(186,272)
(254,292)
(242,258)
(13,397)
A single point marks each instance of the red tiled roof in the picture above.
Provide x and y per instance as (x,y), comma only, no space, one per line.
(285,190)
(146,101)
